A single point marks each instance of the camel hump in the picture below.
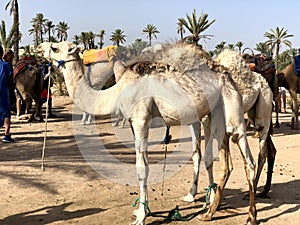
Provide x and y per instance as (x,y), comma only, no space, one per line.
(147,67)
(98,55)
(23,63)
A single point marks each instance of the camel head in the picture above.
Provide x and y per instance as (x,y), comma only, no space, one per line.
(57,52)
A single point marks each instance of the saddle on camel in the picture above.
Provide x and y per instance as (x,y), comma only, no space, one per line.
(23,64)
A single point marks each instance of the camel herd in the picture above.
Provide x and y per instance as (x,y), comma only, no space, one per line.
(210,90)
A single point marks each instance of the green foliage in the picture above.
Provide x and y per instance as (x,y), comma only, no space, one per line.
(7,42)
(275,39)
(285,58)
(118,37)
(151,31)
(196,26)
(138,46)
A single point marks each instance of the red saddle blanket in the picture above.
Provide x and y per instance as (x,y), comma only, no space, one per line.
(23,63)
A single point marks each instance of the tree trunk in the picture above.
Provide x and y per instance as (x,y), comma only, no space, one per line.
(17,31)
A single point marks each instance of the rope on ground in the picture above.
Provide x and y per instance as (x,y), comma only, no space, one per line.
(174,214)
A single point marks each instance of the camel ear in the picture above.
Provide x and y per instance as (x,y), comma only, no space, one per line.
(73,49)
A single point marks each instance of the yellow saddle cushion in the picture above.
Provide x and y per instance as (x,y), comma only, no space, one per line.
(98,55)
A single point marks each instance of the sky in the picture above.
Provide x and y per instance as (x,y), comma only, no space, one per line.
(236,20)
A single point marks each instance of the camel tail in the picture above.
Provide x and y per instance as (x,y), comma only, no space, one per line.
(271,130)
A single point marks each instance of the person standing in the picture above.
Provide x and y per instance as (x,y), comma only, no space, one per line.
(282,99)
(4,99)
(8,56)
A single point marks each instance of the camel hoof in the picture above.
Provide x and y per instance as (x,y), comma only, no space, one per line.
(206,217)
(263,195)
(140,215)
(251,223)
(188,198)
(277,125)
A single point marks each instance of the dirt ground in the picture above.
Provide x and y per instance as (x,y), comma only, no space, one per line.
(76,189)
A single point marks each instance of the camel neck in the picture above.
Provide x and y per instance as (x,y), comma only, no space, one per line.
(96,102)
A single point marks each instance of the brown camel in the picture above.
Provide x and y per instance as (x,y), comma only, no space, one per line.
(289,79)
(28,80)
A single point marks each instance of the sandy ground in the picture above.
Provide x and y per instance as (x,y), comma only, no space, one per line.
(76,189)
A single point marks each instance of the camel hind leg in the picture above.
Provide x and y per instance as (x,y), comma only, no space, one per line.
(225,171)
(235,126)
(271,160)
(37,108)
(195,129)
(267,150)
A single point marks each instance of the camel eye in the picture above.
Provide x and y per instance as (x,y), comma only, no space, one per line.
(54,49)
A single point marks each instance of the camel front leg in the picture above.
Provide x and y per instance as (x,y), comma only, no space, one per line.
(225,171)
(142,170)
(208,155)
(195,129)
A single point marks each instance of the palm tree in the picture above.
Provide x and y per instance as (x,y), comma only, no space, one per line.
(220,47)
(180,30)
(7,42)
(151,31)
(34,31)
(101,37)
(117,37)
(262,48)
(39,23)
(62,28)
(138,46)
(91,39)
(231,46)
(275,38)
(76,40)
(14,9)
(196,26)
(239,45)
(49,28)
(84,40)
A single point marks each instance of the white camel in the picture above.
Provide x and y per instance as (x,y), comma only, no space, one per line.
(151,89)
